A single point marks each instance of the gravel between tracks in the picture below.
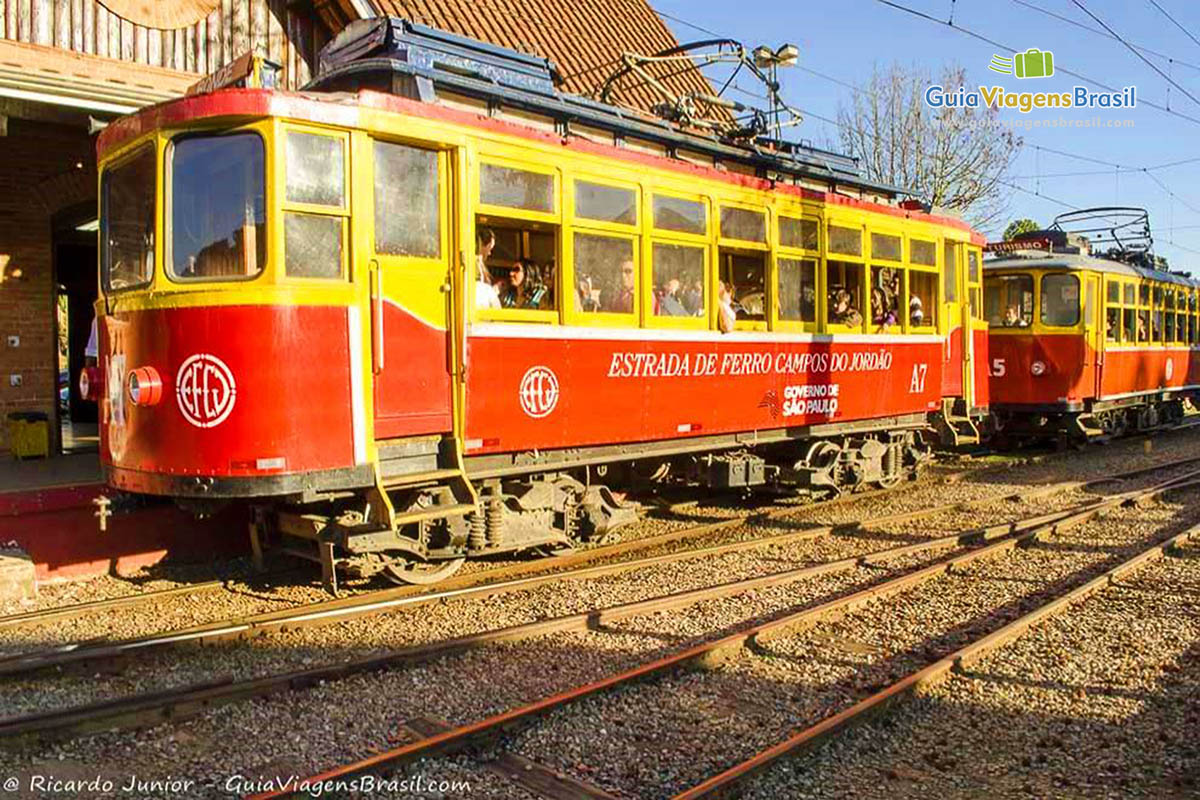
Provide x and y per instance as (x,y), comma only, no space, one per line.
(303,732)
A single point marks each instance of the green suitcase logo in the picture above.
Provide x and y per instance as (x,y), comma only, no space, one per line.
(1033,63)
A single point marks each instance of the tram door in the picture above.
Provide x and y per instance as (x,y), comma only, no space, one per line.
(971,295)
(404,225)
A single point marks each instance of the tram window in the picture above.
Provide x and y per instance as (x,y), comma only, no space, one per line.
(1112,323)
(1158,295)
(1181,328)
(677,214)
(973,266)
(1008,300)
(516,188)
(1128,325)
(801,233)
(887,285)
(744,224)
(1168,326)
(312,245)
(1156,325)
(525,262)
(605,203)
(922,298)
(1060,300)
(844,298)
(976,302)
(407,201)
(679,265)
(847,241)
(1143,325)
(745,274)
(797,289)
(1114,292)
(922,252)
(127,222)
(1130,294)
(950,272)
(1191,329)
(605,274)
(1144,294)
(315,169)
(885,247)
(218,208)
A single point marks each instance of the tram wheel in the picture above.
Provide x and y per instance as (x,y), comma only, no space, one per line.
(404,571)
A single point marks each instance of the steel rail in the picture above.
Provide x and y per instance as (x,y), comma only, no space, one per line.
(806,740)
(181,702)
(477,585)
(712,653)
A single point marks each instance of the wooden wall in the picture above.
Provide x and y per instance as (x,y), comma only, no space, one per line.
(282,30)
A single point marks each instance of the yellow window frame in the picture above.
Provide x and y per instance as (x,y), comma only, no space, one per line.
(445,214)
(577,316)
(932,241)
(1042,327)
(652,320)
(909,269)
(283,205)
(797,254)
(570,212)
(834,221)
(823,312)
(485,158)
(705,204)
(157,144)
(886,263)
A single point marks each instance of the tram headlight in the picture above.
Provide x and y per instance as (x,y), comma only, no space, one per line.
(145,386)
(1038,368)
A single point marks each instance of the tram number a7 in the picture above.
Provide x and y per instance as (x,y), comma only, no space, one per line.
(917,384)
(998,368)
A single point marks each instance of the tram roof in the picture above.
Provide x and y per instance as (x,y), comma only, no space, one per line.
(403,57)
(1072,262)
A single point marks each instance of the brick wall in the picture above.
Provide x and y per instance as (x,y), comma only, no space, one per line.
(38,176)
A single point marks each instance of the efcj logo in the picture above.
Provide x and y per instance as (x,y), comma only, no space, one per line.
(1033,63)
(205,390)
(539,391)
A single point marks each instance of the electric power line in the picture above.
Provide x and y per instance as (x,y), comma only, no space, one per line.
(1008,48)
(1175,21)
(1134,50)
(1099,32)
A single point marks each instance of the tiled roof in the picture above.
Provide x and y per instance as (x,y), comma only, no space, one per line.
(584,38)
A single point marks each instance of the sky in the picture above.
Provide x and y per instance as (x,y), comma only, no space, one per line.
(846,40)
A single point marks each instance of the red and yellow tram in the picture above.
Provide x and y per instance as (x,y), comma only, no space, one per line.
(429,313)
(1087,345)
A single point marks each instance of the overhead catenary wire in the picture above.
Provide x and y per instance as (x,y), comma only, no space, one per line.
(1176,22)
(1134,50)
(1009,48)
(1098,32)
(1016,187)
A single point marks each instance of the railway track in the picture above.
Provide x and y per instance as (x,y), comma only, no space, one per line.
(182,702)
(757,634)
(510,578)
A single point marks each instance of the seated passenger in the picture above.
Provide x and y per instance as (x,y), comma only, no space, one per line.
(622,301)
(586,295)
(1013,318)
(668,301)
(486,295)
(693,299)
(916,312)
(882,313)
(1142,335)
(843,311)
(518,291)
(725,313)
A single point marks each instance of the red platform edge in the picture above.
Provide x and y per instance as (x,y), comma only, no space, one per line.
(58,528)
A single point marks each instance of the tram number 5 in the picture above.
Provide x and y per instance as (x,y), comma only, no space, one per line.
(998,368)
(917,384)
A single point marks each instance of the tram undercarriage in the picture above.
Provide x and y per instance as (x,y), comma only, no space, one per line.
(422,532)
(1094,422)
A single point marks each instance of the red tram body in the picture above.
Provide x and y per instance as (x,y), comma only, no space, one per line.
(297,307)
(1085,346)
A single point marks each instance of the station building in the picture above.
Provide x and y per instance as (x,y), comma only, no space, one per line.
(67,67)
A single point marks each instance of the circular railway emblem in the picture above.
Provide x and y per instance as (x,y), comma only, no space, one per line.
(205,390)
(1170,369)
(539,391)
